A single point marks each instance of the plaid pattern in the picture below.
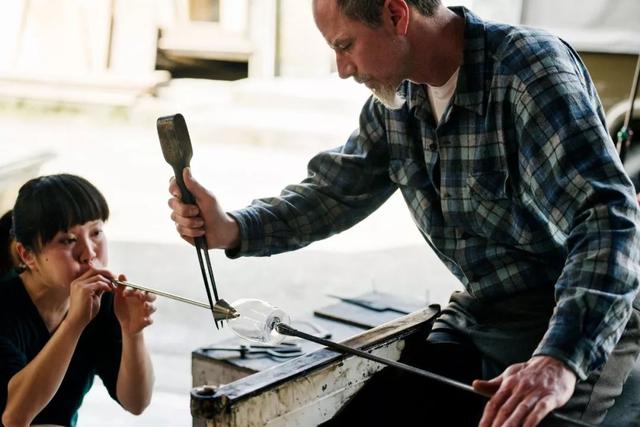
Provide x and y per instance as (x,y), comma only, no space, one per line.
(518,187)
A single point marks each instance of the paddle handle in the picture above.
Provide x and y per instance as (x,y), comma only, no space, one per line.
(187,197)
(185,194)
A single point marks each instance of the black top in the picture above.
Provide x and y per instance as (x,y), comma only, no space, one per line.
(23,334)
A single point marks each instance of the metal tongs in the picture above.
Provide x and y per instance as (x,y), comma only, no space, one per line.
(221,309)
(177,151)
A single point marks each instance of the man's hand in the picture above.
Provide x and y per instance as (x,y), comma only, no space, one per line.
(205,218)
(526,392)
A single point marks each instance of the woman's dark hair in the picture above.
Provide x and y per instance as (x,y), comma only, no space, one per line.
(369,12)
(49,204)
(7,260)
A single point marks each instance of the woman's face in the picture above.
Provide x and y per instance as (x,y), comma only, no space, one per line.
(69,254)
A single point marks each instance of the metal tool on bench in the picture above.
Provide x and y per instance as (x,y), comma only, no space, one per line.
(177,151)
(280,351)
(221,309)
(368,304)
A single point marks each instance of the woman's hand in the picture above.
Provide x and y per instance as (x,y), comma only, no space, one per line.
(133,308)
(85,294)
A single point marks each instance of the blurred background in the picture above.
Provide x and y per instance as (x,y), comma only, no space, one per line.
(82,83)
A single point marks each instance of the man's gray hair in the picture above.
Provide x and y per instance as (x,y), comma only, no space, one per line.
(369,12)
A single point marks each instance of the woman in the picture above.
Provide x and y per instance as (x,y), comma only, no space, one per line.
(8,256)
(62,321)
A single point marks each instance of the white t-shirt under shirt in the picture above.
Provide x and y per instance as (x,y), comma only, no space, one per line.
(439,96)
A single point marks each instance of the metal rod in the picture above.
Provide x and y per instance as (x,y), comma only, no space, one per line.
(625,134)
(632,95)
(162,294)
(285,329)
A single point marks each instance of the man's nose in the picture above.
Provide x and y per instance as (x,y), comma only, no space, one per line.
(346,68)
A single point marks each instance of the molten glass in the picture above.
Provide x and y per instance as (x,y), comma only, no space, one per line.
(257,321)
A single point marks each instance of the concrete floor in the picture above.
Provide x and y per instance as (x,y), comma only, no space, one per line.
(239,155)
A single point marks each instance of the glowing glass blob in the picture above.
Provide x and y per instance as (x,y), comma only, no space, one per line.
(257,321)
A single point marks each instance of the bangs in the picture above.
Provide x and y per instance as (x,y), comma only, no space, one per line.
(57,203)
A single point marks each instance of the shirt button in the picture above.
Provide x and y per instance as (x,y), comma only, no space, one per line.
(433,146)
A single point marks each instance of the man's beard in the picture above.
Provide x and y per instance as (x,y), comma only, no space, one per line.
(388,97)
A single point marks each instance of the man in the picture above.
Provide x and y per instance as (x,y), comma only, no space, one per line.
(496,138)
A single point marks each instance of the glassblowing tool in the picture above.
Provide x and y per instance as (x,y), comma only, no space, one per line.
(285,329)
(221,309)
(177,151)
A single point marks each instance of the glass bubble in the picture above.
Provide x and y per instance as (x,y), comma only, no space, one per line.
(257,321)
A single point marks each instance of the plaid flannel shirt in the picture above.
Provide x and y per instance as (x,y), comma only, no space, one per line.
(518,187)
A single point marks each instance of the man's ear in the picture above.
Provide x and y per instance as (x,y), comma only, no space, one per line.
(399,13)
(26,257)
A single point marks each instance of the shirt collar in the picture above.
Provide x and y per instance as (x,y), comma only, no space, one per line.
(471,88)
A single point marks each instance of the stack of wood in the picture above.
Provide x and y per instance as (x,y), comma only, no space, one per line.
(95,52)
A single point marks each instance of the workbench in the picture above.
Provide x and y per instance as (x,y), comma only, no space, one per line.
(340,320)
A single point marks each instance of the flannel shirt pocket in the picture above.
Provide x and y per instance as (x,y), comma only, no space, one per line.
(492,207)
(489,185)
